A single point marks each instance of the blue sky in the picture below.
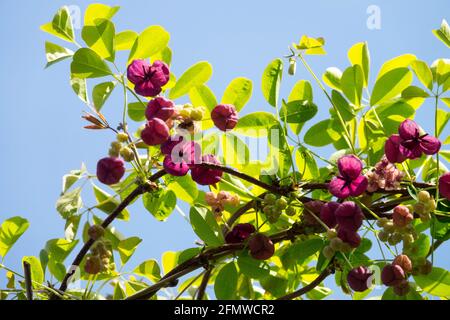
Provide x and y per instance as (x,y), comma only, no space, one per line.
(41,129)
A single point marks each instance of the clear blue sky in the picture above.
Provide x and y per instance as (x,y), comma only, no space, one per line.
(41,135)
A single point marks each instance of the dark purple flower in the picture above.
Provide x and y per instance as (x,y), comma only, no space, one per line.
(240,233)
(392,275)
(225,117)
(110,170)
(349,216)
(148,79)
(261,247)
(328,213)
(444,185)
(182,157)
(167,147)
(349,182)
(410,143)
(206,176)
(360,279)
(155,132)
(160,108)
(352,238)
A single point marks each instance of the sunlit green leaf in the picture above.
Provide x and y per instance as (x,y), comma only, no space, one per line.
(10,231)
(391,85)
(271,81)
(238,93)
(196,75)
(88,64)
(149,42)
(100,38)
(127,247)
(359,55)
(225,286)
(101,93)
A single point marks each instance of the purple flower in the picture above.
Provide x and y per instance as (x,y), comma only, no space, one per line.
(155,132)
(240,233)
(261,247)
(110,170)
(410,143)
(225,117)
(349,216)
(352,238)
(349,182)
(206,176)
(160,108)
(444,185)
(314,207)
(181,158)
(167,147)
(328,214)
(392,275)
(360,279)
(148,79)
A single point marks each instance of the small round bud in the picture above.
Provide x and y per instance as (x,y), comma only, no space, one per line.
(197,114)
(116,146)
(394,238)
(122,137)
(383,236)
(423,196)
(404,262)
(261,247)
(328,252)
(93,265)
(268,210)
(281,204)
(426,268)
(290,211)
(401,216)
(408,239)
(113,153)
(127,154)
(292,66)
(331,233)
(382,222)
(431,205)
(96,231)
(425,217)
(419,208)
(185,113)
(402,289)
(270,198)
(336,244)
(389,227)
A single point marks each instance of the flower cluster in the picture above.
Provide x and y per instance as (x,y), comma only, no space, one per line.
(399,228)
(410,143)
(350,181)
(219,201)
(425,205)
(99,260)
(274,206)
(385,175)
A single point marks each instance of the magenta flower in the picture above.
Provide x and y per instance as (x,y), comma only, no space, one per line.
(155,132)
(181,158)
(240,233)
(349,216)
(410,143)
(160,108)
(392,275)
(444,185)
(328,213)
(148,79)
(352,238)
(167,147)
(349,182)
(360,279)
(225,117)
(206,176)
(110,170)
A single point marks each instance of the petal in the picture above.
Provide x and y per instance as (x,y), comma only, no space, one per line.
(338,189)
(410,150)
(136,71)
(350,166)
(147,89)
(175,168)
(358,186)
(408,130)
(430,145)
(391,149)
(444,185)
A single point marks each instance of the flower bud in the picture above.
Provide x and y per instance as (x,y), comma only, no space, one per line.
(161,108)
(156,132)
(419,208)
(352,238)
(110,170)
(116,146)
(426,267)
(360,279)
(328,252)
(402,289)
(336,244)
(404,262)
(127,154)
(96,231)
(290,211)
(349,216)
(392,275)
(395,238)
(240,233)
(225,117)
(382,222)
(423,196)
(281,204)
(444,185)
(430,206)
(93,265)
(197,114)
(206,176)
(389,227)
(270,198)
(261,247)
(383,236)
(331,233)
(425,217)
(292,66)
(401,216)
(328,213)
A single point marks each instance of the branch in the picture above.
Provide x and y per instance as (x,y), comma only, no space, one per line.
(204,284)
(142,188)
(325,273)
(28,280)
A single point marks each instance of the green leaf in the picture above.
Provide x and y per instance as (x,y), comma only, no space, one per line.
(320,134)
(391,85)
(436,283)
(185,188)
(169,261)
(403,61)
(164,55)
(57,269)
(125,40)
(238,92)
(10,231)
(311,45)
(252,268)
(205,226)
(55,53)
(256,124)
(149,269)
(202,96)
(420,247)
(119,292)
(345,109)
(443,33)
(151,41)
(79,87)
(271,81)
(359,55)
(235,152)
(69,203)
(88,64)
(442,119)
(100,38)
(37,274)
(98,11)
(107,203)
(446,101)
(225,286)
(160,204)
(302,90)
(127,248)
(352,83)
(332,77)
(59,249)
(136,111)
(276,285)
(389,294)
(70,179)
(298,111)
(195,76)
(423,73)
(300,252)
(61,26)
(306,164)
(71,227)
(414,92)
(101,93)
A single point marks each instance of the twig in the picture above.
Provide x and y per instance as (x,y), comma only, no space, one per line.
(28,280)
(204,284)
